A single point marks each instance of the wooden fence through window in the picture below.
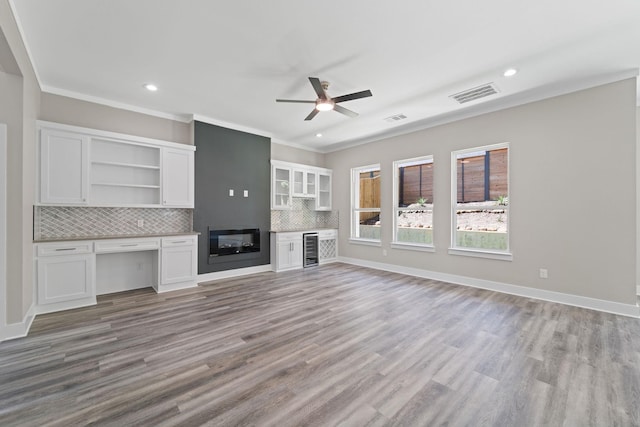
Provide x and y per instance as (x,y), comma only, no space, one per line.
(369,194)
(480,178)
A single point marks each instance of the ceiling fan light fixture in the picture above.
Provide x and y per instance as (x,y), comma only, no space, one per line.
(324,104)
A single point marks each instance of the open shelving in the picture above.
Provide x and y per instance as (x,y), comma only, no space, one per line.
(124,172)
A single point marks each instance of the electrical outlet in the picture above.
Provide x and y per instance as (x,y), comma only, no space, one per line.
(544,274)
(141,223)
(246,193)
(230,192)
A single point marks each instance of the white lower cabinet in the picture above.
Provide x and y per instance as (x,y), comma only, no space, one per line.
(65,276)
(68,276)
(287,250)
(327,245)
(179,262)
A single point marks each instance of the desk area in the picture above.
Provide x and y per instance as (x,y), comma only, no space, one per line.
(71,273)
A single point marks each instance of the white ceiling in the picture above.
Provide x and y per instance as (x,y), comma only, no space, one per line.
(228,61)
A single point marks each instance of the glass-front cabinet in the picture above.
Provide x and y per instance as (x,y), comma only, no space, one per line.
(323,197)
(294,181)
(304,183)
(281,187)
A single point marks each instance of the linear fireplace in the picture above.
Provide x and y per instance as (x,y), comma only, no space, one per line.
(233,242)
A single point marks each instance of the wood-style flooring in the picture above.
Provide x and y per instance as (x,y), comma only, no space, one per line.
(332,345)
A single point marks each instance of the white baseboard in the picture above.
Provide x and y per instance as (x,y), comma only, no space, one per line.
(558,297)
(207,277)
(21,329)
(176,286)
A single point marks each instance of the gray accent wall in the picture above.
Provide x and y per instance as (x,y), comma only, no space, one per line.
(226,160)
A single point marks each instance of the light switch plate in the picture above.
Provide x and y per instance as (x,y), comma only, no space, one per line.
(230,192)
(246,193)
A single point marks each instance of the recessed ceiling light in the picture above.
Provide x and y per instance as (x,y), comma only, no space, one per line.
(150,87)
(319,135)
(510,72)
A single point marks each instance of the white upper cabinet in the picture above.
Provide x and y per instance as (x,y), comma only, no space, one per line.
(293,180)
(304,183)
(88,167)
(177,178)
(280,187)
(323,196)
(64,172)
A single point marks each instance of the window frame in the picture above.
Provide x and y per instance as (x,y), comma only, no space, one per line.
(397,164)
(355,202)
(498,254)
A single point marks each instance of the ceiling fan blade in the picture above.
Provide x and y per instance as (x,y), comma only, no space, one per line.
(312,114)
(351,96)
(345,111)
(317,86)
(299,101)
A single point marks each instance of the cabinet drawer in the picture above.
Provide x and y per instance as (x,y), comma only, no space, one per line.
(328,234)
(288,237)
(168,242)
(127,245)
(64,248)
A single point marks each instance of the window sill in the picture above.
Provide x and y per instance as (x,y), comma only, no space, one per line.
(502,256)
(413,247)
(365,242)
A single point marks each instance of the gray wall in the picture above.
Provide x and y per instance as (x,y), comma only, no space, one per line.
(70,111)
(19,105)
(563,151)
(287,153)
(638,201)
(229,159)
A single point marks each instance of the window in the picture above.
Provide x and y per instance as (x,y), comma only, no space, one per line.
(480,201)
(365,203)
(413,202)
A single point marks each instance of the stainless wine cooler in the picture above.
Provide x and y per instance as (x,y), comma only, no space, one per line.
(310,249)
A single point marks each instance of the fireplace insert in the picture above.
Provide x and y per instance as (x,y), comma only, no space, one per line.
(233,242)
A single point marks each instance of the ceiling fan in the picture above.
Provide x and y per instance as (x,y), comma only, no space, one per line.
(325,102)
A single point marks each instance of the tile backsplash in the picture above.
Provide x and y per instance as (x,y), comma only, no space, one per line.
(54,222)
(302,216)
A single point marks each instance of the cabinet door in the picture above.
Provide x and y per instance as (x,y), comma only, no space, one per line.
(179,264)
(289,255)
(310,184)
(283,257)
(177,178)
(304,183)
(280,188)
(323,197)
(296,254)
(299,186)
(65,278)
(64,165)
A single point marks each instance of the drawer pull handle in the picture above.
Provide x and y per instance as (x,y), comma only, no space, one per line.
(180,241)
(66,249)
(131,244)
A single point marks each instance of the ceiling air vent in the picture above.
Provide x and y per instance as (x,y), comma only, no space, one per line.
(475,93)
(396,118)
